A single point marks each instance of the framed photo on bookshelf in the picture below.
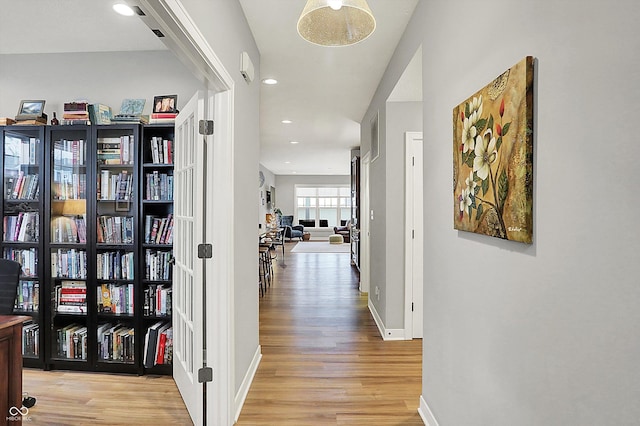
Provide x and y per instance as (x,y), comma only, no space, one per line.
(165,103)
(31,109)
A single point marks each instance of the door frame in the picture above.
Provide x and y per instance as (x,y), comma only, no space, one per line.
(365,248)
(185,40)
(413,238)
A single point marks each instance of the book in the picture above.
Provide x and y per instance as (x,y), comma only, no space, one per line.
(150,344)
(100,114)
(30,123)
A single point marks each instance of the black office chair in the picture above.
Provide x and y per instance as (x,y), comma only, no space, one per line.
(9,281)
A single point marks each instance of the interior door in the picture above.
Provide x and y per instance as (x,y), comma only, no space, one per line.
(187,272)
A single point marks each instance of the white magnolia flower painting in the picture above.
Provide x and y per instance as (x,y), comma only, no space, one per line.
(493,157)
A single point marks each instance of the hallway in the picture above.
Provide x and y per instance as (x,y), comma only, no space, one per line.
(324,362)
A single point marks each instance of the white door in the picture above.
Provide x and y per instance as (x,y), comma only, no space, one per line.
(414,235)
(187,272)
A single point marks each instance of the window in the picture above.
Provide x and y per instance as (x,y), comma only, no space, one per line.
(324,206)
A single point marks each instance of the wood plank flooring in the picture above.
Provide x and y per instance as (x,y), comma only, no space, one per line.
(323,364)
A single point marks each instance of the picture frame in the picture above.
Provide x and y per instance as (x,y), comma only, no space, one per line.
(165,103)
(31,108)
(493,135)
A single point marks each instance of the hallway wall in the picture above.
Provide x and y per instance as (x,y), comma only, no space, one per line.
(546,333)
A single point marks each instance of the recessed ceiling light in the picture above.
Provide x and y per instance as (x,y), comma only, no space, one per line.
(123,9)
(287,162)
(293,142)
(270,81)
(287,121)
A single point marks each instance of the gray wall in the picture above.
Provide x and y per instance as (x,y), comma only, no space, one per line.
(225,28)
(105,77)
(387,198)
(285,187)
(546,333)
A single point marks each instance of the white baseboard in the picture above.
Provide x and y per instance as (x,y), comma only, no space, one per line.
(426,414)
(246,382)
(385,333)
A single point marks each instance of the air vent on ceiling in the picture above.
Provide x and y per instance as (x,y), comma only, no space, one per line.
(138,11)
(158,33)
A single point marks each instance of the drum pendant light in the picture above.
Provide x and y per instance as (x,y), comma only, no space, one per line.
(336,22)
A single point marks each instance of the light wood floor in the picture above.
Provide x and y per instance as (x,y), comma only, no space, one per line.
(323,364)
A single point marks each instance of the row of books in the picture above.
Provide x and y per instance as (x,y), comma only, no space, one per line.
(116,150)
(69,263)
(28,296)
(23,227)
(68,185)
(116,298)
(69,229)
(71,341)
(27,150)
(157,300)
(158,230)
(28,258)
(158,186)
(116,342)
(158,344)
(22,187)
(115,229)
(30,339)
(158,265)
(69,152)
(115,265)
(70,297)
(117,187)
(161,150)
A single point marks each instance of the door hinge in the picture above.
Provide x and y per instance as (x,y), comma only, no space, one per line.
(205,127)
(413,161)
(205,251)
(411,306)
(205,374)
(413,234)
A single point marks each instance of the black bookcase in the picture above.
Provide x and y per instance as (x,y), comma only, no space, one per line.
(22,151)
(97,284)
(156,257)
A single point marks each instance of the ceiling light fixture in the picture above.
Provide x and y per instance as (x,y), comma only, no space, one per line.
(286,121)
(123,9)
(336,22)
(294,142)
(270,81)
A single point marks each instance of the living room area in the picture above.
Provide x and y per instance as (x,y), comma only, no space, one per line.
(316,205)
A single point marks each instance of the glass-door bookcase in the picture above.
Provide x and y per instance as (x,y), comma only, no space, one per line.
(22,166)
(69,186)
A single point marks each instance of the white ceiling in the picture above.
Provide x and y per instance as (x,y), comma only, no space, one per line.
(324,91)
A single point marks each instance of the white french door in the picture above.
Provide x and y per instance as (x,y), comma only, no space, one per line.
(187,271)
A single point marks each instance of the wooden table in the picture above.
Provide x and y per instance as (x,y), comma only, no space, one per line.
(11,363)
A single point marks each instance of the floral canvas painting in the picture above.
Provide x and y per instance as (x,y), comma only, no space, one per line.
(493,157)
